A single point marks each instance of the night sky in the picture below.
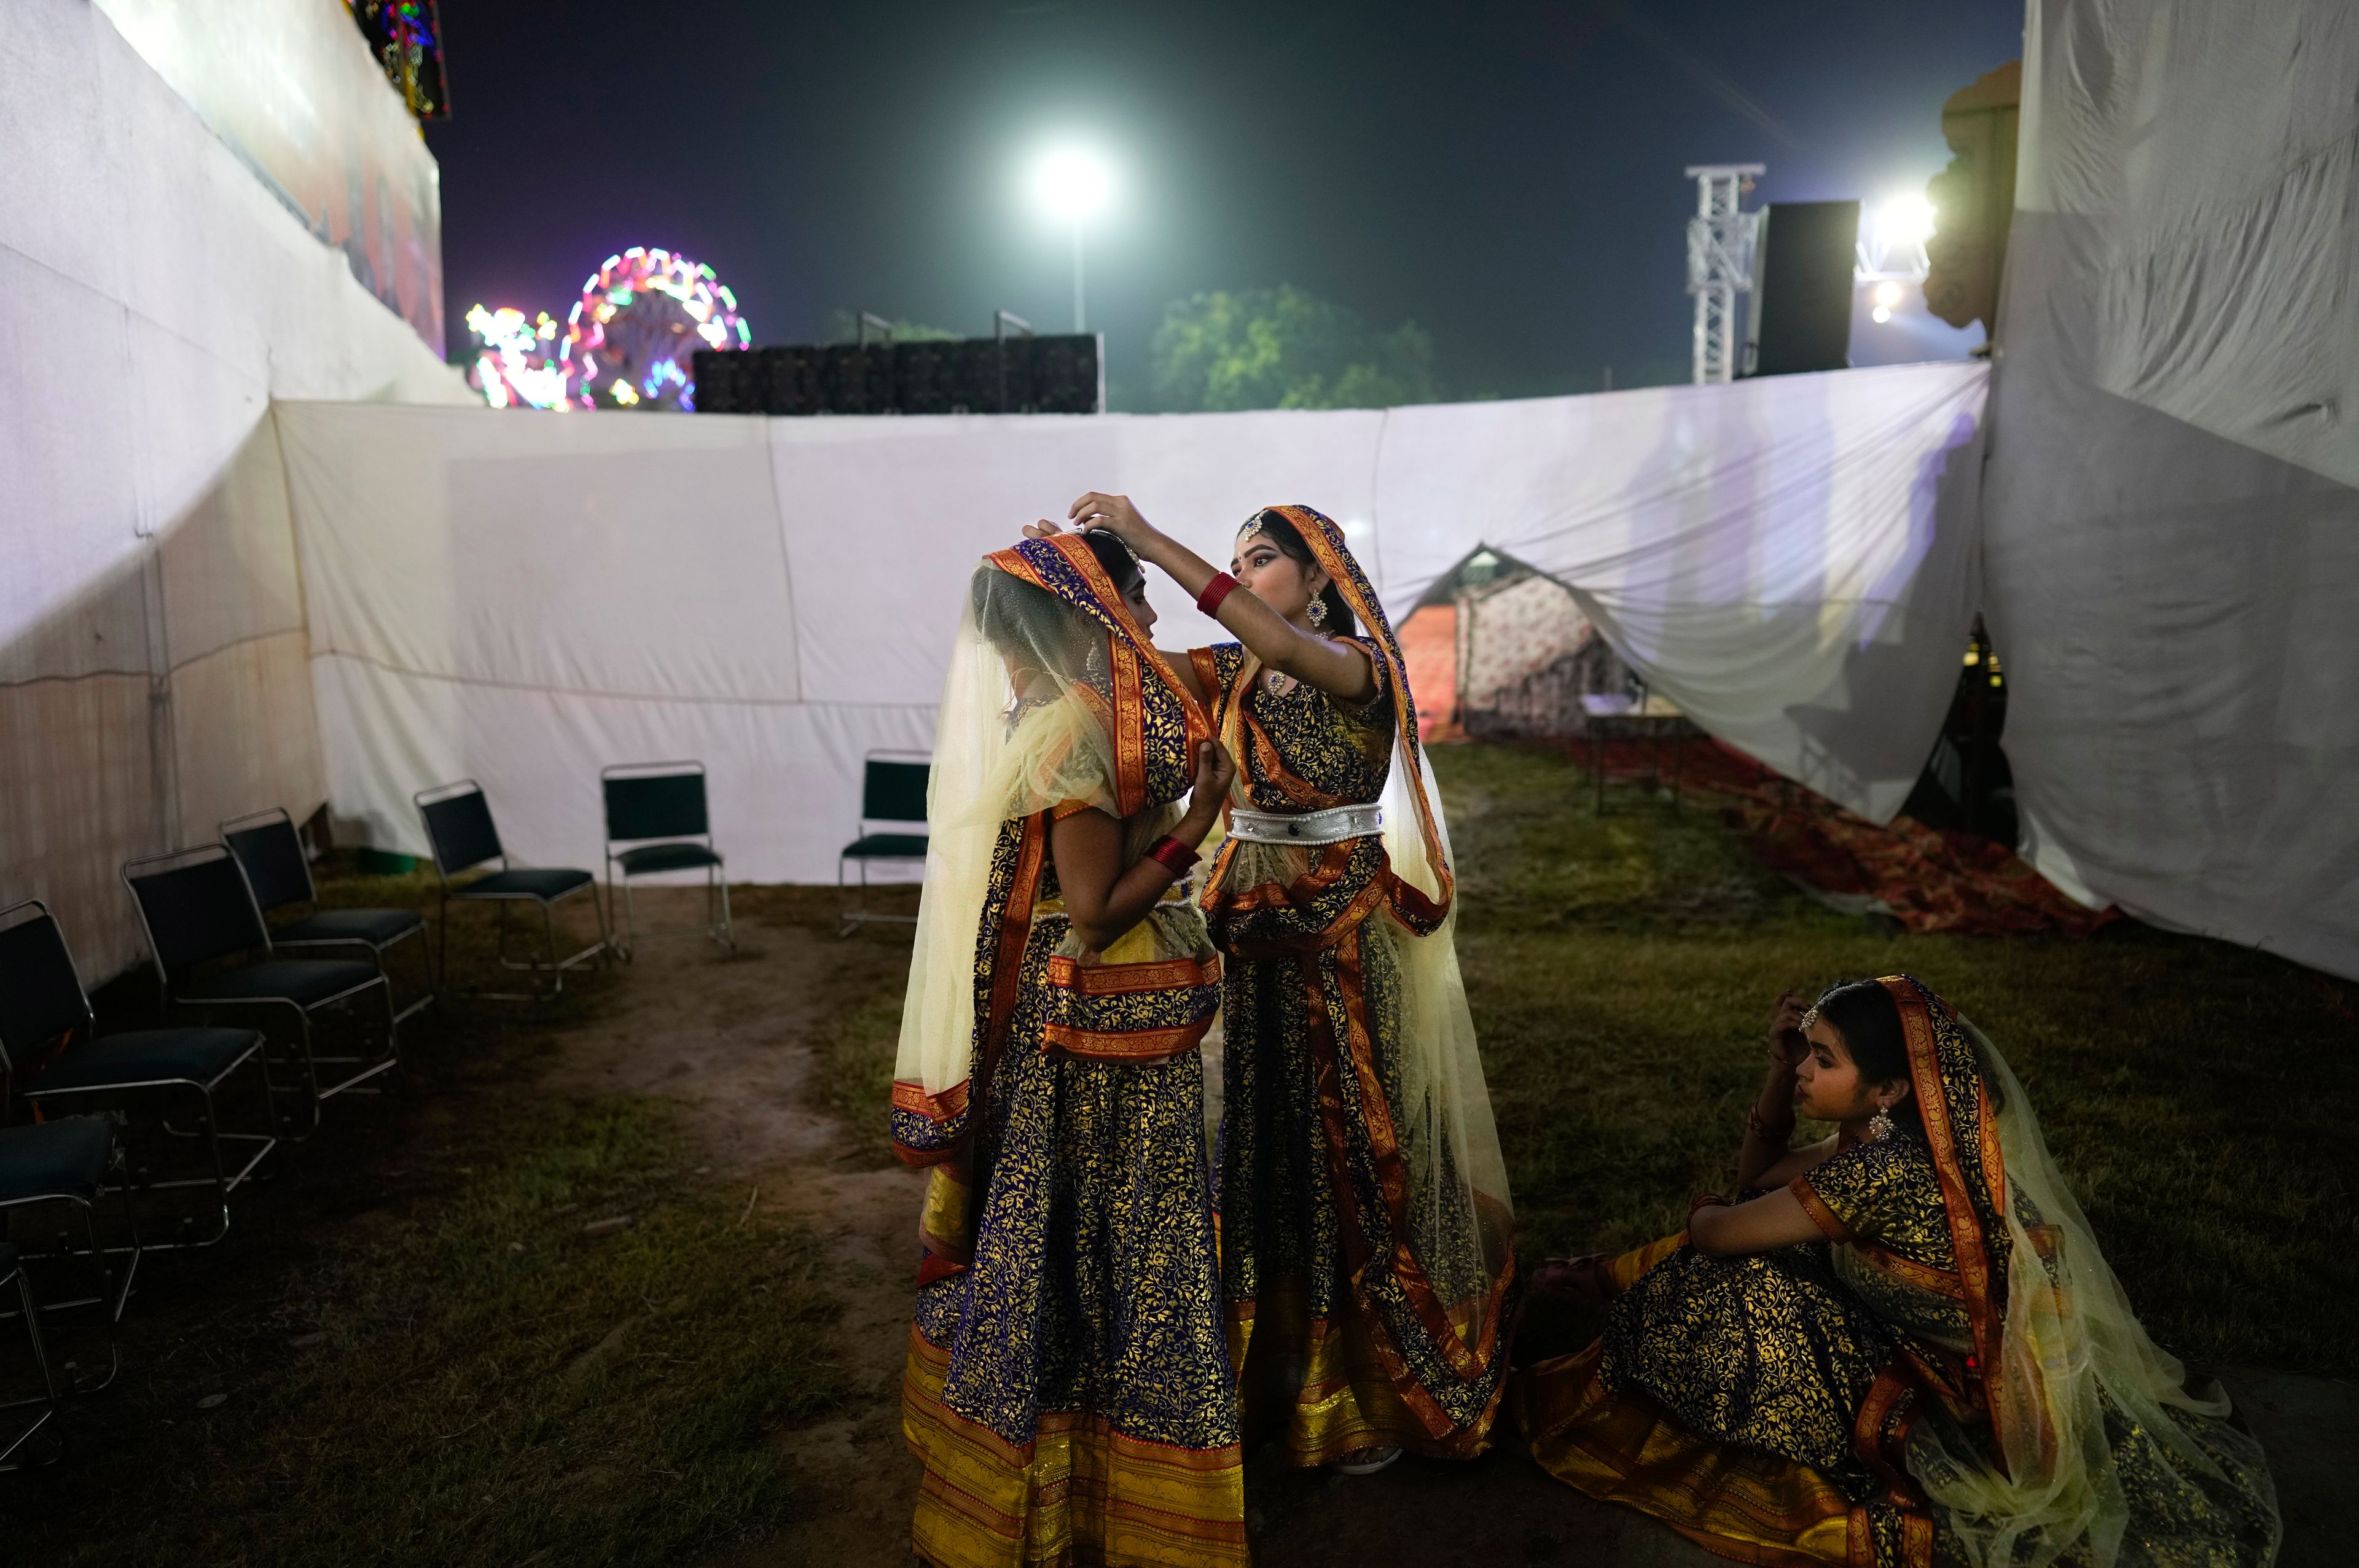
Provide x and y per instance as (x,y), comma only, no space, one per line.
(1508,175)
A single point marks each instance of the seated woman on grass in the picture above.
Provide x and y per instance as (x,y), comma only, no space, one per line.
(1902,1346)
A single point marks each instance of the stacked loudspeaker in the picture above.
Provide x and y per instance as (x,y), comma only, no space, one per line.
(1063,374)
(1804,254)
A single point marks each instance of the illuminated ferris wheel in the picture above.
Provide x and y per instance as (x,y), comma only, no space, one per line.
(641,316)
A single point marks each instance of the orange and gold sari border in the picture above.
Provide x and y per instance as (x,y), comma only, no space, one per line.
(1128,979)
(1336,1408)
(1829,1222)
(1136,1498)
(1338,564)
(1333,860)
(1965,1227)
(1471,1363)
(941,1107)
(1133,1046)
(1909,1271)
(1622,1449)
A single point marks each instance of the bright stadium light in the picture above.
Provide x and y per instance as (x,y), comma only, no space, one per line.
(1892,243)
(1072,183)
(1075,185)
(1906,220)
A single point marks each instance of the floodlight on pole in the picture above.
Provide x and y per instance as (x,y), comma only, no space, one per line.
(1892,243)
(1075,185)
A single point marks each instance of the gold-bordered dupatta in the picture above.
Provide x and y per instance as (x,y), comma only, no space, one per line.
(2054,1336)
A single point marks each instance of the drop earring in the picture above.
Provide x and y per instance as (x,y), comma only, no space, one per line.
(1879,1126)
(1318,612)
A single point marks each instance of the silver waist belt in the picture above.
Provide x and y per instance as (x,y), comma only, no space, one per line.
(1330,826)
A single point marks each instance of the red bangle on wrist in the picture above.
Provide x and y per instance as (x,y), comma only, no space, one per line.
(1219,589)
(1707,1200)
(1177,858)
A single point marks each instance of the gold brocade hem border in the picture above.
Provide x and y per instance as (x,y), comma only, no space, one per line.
(943,1106)
(1735,1504)
(1128,1045)
(1923,1276)
(1124,979)
(1080,1492)
(1335,1407)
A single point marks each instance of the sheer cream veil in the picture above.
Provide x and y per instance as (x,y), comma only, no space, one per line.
(1449,1138)
(2069,1343)
(1052,700)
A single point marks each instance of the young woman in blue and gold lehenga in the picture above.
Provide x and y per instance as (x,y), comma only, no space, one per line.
(1068,1384)
(1365,1234)
(1903,1347)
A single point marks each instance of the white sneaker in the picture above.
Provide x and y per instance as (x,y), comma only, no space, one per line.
(1365,1461)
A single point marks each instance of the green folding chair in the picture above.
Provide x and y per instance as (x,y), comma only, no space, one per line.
(654,814)
(892,802)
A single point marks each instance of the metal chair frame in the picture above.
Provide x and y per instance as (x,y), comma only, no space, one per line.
(860,913)
(12,1272)
(377,950)
(97,1256)
(553,967)
(314,1095)
(716,881)
(221,1180)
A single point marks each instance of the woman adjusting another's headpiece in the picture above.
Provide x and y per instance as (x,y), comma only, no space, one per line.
(1367,1255)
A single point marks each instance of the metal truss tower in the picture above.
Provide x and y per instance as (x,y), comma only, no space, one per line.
(1720,262)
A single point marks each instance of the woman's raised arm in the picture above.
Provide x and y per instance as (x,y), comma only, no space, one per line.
(1341,670)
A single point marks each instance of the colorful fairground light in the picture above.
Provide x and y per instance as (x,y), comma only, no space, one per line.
(515,359)
(628,343)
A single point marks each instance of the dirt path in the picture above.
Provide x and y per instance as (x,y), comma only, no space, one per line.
(732,1035)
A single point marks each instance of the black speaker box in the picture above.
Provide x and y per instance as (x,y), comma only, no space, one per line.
(1065,375)
(719,384)
(925,377)
(970,373)
(786,380)
(1802,267)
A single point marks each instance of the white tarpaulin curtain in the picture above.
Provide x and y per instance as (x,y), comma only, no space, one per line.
(1789,559)
(2172,535)
(524,599)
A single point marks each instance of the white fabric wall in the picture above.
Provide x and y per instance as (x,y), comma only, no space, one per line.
(153,299)
(2172,535)
(523,599)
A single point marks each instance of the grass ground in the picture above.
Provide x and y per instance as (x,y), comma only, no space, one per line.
(425,1359)
(419,1353)
(1620,969)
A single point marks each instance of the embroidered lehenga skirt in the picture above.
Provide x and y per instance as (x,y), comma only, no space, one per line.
(1367,1283)
(1069,1391)
(1341,1343)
